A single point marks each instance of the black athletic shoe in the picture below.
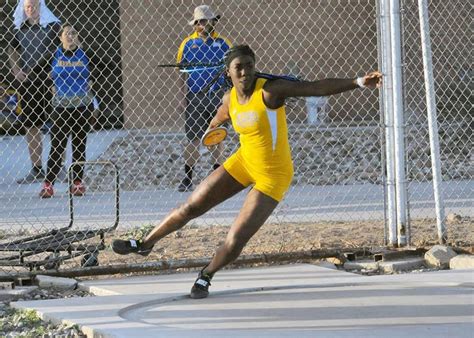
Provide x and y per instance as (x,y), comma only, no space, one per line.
(200,288)
(122,247)
(185,185)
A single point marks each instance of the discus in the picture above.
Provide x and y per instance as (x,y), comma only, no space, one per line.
(214,136)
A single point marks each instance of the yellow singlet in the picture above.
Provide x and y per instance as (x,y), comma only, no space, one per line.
(264,156)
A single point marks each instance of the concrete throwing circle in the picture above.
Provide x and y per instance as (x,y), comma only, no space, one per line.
(306,307)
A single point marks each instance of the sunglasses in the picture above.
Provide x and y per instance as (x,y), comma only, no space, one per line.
(201,22)
(72,33)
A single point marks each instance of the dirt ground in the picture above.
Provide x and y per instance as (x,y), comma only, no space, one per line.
(201,242)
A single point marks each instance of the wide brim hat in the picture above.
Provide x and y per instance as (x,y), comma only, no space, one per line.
(203,12)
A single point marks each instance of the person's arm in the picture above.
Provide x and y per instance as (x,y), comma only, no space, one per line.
(222,114)
(13,54)
(14,60)
(275,92)
(183,89)
(182,77)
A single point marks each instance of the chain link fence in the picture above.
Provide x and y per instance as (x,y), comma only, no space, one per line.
(451,43)
(337,194)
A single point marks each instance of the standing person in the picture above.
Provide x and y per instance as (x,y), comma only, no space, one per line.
(35,39)
(73,103)
(205,45)
(256,108)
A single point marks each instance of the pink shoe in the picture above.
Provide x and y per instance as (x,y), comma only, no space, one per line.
(47,191)
(77,188)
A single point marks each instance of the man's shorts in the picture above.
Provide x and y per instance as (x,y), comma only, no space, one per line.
(35,102)
(273,183)
(200,109)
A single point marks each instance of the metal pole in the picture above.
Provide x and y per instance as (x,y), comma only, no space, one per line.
(432,118)
(398,121)
(387,90)
(166,266)
(383,157)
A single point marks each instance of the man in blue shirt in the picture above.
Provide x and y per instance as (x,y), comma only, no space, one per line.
(205,45)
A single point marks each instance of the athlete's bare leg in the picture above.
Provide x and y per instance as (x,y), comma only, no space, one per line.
(255,211)
(216,188)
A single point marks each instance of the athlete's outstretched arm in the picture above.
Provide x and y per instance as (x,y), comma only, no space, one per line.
(222,114)
(275,92)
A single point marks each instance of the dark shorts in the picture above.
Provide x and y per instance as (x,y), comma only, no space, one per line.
(200,109)
(35,102)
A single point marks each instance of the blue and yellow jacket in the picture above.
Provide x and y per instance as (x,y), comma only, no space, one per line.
(196,49)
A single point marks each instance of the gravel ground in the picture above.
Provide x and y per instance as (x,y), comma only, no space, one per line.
(18,323)
(344,155)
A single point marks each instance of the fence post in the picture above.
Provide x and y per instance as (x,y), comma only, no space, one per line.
(387,106)
(432,118)
(399,127)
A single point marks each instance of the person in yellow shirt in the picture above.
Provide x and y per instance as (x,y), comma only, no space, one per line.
(256,107)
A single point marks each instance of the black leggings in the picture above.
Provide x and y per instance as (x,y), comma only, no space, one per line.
(74,122)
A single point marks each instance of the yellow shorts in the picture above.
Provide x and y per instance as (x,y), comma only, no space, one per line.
(272,184)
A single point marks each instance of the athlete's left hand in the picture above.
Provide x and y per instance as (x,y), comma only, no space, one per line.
(373,80)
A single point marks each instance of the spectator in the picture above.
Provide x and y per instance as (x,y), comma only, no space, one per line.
(34,39)
(73,103)
(207,46)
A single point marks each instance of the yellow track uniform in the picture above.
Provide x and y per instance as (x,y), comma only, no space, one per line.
(264,156)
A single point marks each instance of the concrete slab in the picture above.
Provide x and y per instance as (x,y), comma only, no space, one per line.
(15,163)
(7,295)
(402,265)
(284,301)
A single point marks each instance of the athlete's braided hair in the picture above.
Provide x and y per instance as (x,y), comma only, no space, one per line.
(236,51)
(231,54)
